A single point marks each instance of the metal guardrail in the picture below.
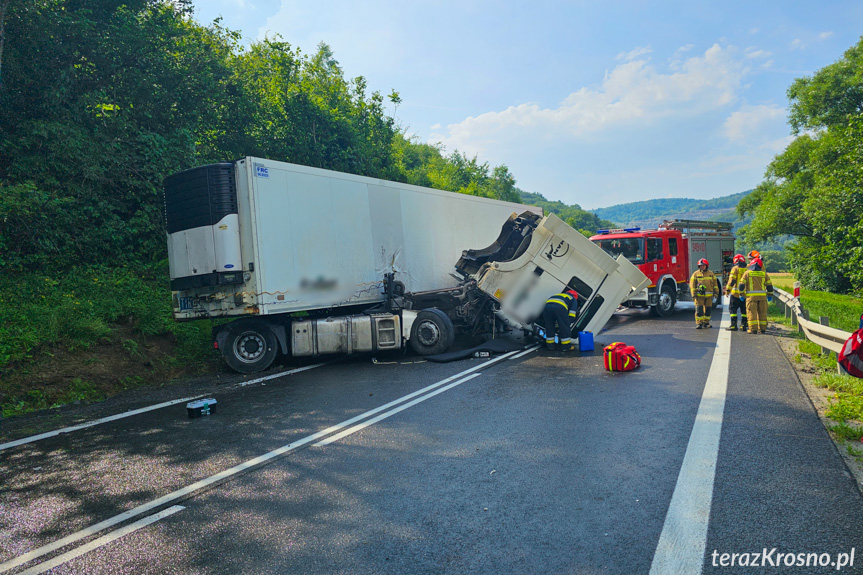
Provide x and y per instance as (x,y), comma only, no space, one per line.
(829,338)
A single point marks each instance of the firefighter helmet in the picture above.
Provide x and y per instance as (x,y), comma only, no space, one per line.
(573,293)
(738,258)
(703,262)
(754,254)
(758,262)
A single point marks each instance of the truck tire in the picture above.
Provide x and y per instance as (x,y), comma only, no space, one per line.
(250,346)
(432,332)
(665,306)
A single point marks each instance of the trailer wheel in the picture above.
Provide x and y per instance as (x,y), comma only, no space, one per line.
(432,332)
(250,347)
(665,305)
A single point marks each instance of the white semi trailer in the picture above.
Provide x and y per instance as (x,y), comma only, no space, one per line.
(315,262)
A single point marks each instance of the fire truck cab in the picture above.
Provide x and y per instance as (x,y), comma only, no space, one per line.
(668,256)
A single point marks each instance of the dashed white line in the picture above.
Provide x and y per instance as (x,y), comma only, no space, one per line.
(684,535)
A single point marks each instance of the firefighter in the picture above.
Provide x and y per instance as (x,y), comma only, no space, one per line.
(702,286)
(561,309)
(736,305)
(754,286)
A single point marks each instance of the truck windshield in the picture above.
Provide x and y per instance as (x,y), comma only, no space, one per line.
(631,248)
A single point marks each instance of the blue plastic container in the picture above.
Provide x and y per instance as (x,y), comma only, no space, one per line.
(585,341)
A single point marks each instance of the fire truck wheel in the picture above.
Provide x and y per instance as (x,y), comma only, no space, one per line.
(665,305)
(432,332)
(251,346)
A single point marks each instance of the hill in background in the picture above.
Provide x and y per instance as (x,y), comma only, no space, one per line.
(582,220)
(650,213)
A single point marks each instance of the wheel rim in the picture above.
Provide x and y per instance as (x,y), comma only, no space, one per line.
(249,347)
(665,300)
(428,333)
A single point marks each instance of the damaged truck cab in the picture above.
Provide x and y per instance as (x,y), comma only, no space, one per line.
(310,262)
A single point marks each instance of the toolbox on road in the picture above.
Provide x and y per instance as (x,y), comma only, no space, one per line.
(201,407)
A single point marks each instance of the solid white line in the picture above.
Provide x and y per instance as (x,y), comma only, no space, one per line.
(525,352)
(681,545)
(41,436)
(33,438)
(101,541)
(383,416)
(173,496)
(275,375)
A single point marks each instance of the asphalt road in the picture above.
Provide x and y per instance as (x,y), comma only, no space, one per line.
(543,463)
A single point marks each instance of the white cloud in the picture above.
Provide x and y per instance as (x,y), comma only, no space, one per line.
(632,94)
(755,53)
(633,54)
(802,44)
(751,123)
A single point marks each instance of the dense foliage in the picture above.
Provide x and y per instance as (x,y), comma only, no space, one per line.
(814,189)
(104,98)
(101,100)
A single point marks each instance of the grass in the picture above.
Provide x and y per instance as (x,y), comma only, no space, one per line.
(843,310)
(77,314)
(846,407)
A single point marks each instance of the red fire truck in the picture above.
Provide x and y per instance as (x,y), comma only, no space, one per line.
(669,255)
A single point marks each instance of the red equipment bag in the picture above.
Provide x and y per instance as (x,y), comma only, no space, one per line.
(851,356)
(620,357)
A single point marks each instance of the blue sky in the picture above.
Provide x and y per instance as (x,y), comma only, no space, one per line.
(590,103)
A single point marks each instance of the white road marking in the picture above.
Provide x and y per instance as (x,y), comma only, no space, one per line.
(525,352)
(275,375)
(684,535)
(198,485)
(101,541)
(383,416)
(33,438)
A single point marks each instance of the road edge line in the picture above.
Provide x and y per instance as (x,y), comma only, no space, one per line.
(682,543)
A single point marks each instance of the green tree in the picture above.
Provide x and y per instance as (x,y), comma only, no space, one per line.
(814,189)
(102,99)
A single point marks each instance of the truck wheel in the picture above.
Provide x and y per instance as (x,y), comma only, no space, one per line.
(665,305)
(250,347)
(432,332)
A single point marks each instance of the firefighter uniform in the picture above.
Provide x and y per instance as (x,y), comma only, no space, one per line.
(702,286)
(754,286)
(736,305)
(561,309)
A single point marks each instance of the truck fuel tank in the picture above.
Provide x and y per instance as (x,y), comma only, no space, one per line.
(346,334)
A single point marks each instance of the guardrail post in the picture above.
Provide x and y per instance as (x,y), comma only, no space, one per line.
(824,321)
